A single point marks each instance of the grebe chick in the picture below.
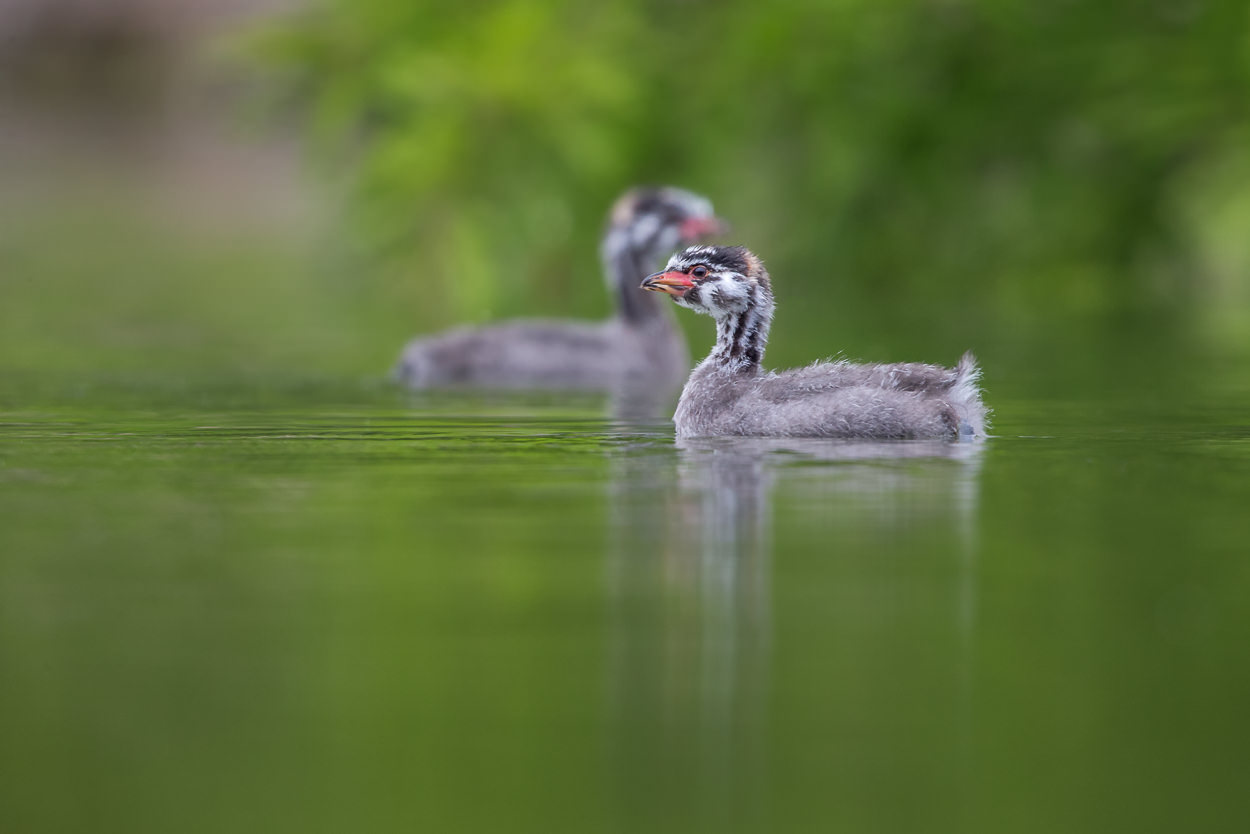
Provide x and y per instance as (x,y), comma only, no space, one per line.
(637,349)
(729,394)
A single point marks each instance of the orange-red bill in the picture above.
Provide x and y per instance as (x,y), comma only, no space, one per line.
(673,283)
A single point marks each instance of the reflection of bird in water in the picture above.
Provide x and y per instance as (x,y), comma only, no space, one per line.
(639,347)
(729,394)
(708,630)
(690,639)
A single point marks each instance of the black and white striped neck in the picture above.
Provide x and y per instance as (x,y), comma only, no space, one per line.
(742,336)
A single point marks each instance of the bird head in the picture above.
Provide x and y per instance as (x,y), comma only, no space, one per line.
(716,280)
(649,222)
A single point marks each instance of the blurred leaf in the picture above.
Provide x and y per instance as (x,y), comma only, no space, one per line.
(934,151)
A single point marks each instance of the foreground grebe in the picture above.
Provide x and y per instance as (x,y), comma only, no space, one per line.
(729,394)
(639,348)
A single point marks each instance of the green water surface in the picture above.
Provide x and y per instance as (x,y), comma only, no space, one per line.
(247,585)
(350,609)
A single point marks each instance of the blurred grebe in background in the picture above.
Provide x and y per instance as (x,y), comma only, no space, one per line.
(638,349)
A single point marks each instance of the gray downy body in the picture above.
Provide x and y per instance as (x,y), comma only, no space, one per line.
(636,354)
(729,393)
(834,399)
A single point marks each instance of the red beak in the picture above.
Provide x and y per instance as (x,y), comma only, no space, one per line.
(697,228)
(674,283)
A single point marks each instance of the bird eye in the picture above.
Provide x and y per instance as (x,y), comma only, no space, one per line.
(699,271)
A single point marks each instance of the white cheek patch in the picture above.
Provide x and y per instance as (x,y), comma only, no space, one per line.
(667,241)
(724,296)
(719,297)
(645,229)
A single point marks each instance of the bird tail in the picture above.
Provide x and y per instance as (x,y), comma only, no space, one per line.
(966,395)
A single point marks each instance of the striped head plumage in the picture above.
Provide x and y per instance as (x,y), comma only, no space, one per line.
(715,280)
(649,222)
(730,284)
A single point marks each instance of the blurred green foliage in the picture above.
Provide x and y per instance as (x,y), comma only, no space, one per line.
(978,164)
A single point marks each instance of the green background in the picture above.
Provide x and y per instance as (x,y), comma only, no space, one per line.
(246,584)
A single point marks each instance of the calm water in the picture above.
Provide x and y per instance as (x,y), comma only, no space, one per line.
(237,610)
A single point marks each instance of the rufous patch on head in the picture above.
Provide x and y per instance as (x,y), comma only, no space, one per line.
(755,267)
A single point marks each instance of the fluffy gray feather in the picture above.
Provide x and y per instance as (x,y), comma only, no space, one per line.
(730,394)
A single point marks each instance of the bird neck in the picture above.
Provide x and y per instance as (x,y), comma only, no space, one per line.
(626,268)
(741,337)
